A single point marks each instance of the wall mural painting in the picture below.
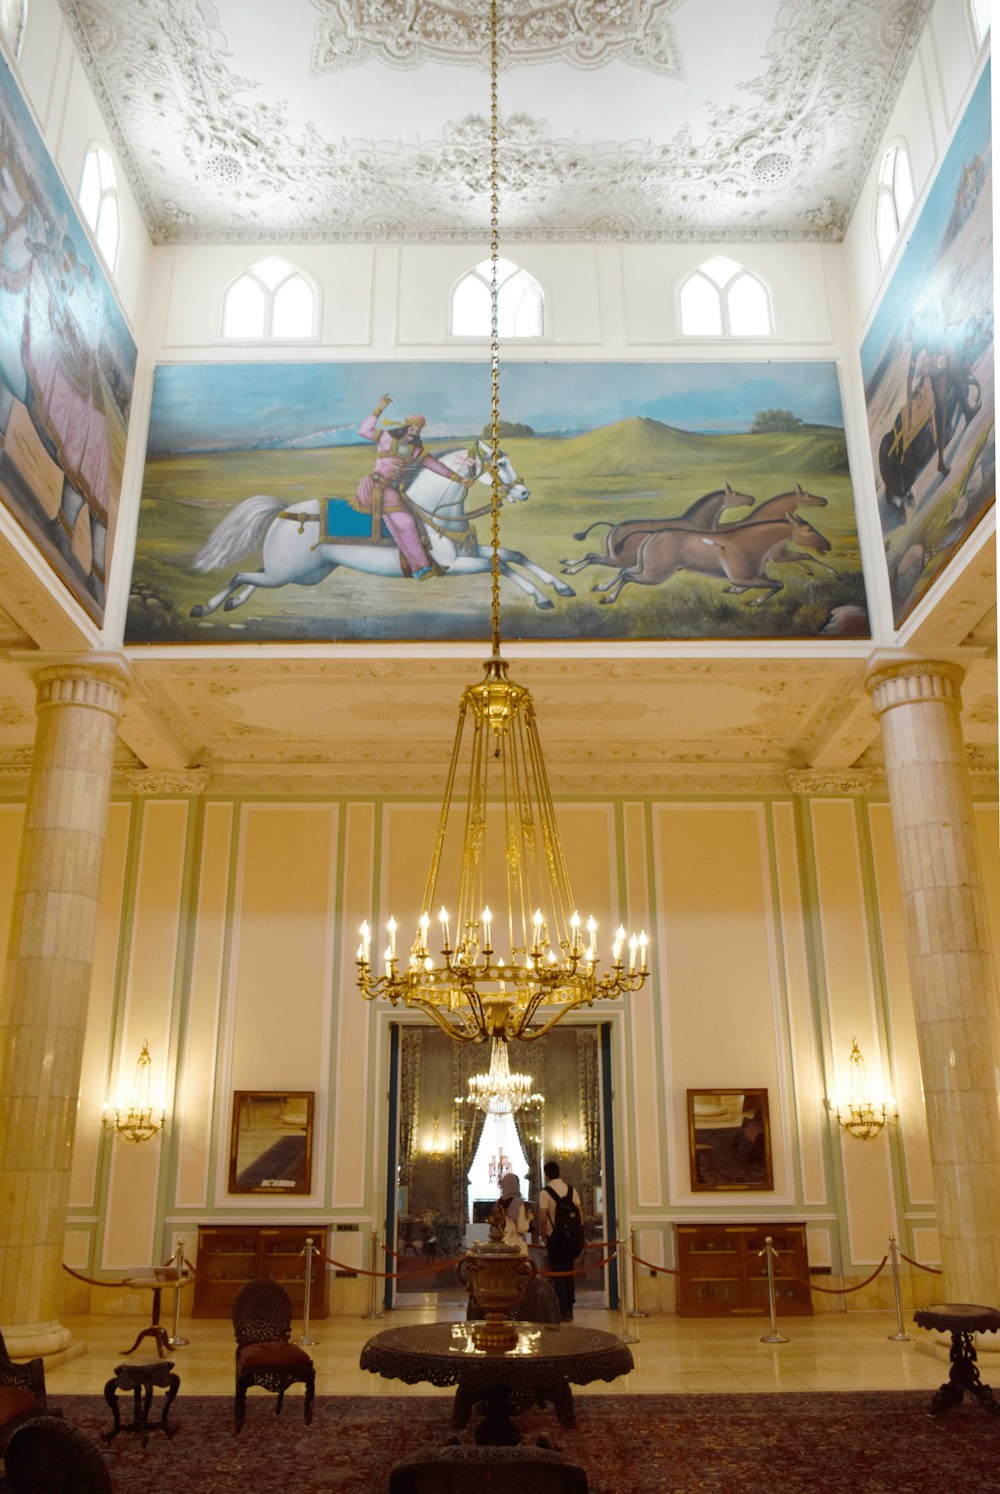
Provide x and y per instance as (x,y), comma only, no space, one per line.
(67,363)
(928,369)
(643,500)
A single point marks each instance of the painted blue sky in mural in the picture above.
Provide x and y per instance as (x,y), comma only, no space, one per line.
(207,407)
(925,237)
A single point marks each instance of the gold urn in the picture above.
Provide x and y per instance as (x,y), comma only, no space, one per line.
(495,1275)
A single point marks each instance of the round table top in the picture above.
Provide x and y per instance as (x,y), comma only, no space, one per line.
(448,1354)
(958,1317)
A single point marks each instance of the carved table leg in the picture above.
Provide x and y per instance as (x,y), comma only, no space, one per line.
(462,1409)
(562,1400)
(112,1400)
(963,1376)
(497,1429)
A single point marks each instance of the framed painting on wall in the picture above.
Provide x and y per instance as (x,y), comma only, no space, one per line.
(270,1148)
(729,1140)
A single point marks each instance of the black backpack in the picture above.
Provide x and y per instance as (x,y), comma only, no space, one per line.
(567,1237)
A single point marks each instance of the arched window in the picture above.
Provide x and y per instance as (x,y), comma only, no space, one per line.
(520,303)
(979,12)
(99,202)
(13,20)
(893,199)
(722,299)
(270,300)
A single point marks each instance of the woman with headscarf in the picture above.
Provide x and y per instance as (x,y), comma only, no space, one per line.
(518,1217)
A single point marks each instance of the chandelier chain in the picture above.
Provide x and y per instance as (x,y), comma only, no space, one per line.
(494,341)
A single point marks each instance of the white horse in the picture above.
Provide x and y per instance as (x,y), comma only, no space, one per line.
(295,550)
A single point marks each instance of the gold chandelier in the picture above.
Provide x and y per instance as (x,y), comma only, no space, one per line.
(499,1092)
(517,974)
(136,1122)
(864,1114)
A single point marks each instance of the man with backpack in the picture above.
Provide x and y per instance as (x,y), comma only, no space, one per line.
(561,1223)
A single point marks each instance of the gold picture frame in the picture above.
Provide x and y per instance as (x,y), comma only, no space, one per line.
(729,1141)
(270,1143)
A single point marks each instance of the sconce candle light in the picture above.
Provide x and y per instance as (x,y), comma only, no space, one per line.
(864,1114)
(137,1122)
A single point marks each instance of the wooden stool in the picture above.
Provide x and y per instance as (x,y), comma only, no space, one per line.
(961,1320)
(140,1379)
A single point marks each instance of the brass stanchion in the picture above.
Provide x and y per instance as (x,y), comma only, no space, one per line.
(774,1337)
(177,1341)
(900,1336)
(634,1310)
(307,1292)
(374,1311)
(626,1334)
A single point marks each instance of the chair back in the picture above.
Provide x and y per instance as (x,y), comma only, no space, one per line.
(262,1313)
(48,1456)
(488,1470)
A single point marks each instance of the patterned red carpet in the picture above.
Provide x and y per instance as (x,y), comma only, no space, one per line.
(884,1443)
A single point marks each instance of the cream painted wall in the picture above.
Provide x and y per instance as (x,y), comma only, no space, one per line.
(227,937)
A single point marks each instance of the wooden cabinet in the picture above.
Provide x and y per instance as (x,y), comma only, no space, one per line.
(723,1273)
(229,1255)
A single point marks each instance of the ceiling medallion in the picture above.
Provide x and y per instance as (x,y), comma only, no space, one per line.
(584,33)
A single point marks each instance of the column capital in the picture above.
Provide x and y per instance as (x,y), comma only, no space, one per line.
(100,685)
(907,679)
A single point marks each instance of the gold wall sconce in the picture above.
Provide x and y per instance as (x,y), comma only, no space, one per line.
(864,1113)
(137,1122)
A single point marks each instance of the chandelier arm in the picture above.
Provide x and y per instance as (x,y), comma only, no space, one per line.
(554,854)
(494,343)
(459,1034)
(547,1026)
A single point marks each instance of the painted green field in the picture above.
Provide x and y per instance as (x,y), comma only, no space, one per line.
(634,469)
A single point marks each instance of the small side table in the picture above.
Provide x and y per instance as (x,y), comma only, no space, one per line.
(141,1380)
(961,1320)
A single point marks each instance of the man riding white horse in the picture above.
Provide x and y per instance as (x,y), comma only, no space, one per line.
(399,450)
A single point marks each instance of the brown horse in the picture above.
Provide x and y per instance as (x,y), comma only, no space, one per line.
(780,506)
(622,541)
(738,554)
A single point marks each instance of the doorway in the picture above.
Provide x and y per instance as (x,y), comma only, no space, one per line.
(444,1176)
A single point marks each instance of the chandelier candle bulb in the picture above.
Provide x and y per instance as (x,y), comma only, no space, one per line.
(366,942)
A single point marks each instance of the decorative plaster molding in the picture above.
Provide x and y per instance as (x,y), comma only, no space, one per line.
(586,33)
(914,682)
(89,685)
(816,781)
(166,782)
(211,159)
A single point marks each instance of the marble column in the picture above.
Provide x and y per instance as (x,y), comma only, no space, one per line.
(43,1011)
(950,961)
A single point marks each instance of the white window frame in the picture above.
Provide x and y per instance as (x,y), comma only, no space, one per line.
(295,271)
(979,32)
(108,192)
(480,272)
(13,25)
(723,292)
(889,191)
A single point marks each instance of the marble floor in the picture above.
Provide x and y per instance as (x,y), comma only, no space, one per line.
(831,1351)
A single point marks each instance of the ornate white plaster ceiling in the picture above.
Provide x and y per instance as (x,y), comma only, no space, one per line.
(344,120)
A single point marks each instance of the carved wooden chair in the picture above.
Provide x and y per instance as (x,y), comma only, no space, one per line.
(262,1322)
(22,1392)
(488,1470)
(48,1456)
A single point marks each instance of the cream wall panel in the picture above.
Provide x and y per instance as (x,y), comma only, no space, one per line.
(926,1245)
(906,1083)
(280,975)
(851,1004)
(643,1105)
(987,822)
(715,932)
(98,1041)
(357,1110)
(131,1213)
(196,1069)
(809,1088)
(76,1249)
(11,822)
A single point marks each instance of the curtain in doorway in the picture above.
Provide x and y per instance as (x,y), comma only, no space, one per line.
(411,1048)
(590,1115)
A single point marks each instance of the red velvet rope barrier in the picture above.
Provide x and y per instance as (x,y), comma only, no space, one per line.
(92,1280)
(934,1270)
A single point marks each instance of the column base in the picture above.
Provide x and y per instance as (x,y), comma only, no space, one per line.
(51,1340)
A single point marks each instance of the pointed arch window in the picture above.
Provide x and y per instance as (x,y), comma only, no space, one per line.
(98,199)
(520,302)
(13,20)
(893,199)
(721,298)
(271,301)
(979,13)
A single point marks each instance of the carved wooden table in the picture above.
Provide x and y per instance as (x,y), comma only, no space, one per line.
(140,1379)
(148,1280)
(545,1360)
(961,1320)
